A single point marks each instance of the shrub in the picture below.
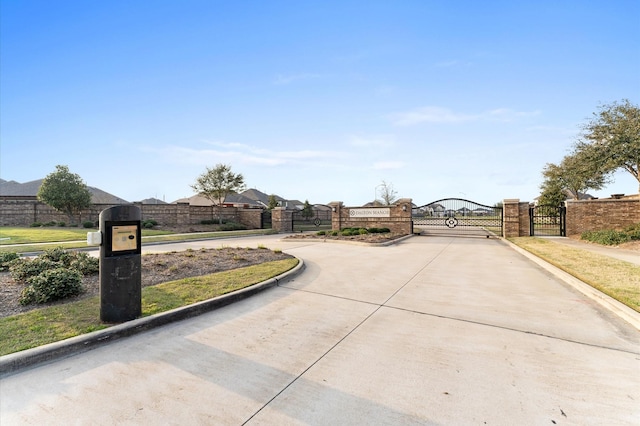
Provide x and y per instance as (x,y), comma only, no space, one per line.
(319,233)
(85,264)
(51,223)
(384,230)
(149,223)
(362,231)
(62,224)
(334,233)
(6,258)
(347,232)
(36,224)
(58,254)
(24,268)
(87,224)
(606,237)
(633,231)
(232,226)
(52,284)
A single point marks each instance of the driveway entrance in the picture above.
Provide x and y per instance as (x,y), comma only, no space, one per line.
(428,331)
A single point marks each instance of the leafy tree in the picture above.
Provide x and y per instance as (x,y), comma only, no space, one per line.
(307,210)
(218,182)
(552,192)
(65,192)
(388,195)
(273,202)
(575,175)
(611,139)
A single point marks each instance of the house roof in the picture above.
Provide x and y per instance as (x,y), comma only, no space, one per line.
(153,201)
(30,190)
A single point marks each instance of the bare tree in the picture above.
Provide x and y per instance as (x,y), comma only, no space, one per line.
(388,195)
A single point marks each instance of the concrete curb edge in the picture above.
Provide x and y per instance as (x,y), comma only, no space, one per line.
(609,303)
(15,362)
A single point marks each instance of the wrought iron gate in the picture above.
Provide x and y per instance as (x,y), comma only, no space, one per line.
(320,220)
(266,219)
(548,220)
(455,216)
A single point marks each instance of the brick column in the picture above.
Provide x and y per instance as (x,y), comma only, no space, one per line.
(282,219)
(515,218)
(336,223)
(183,216)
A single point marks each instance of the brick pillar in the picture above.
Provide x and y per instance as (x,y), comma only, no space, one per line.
(282,219)
(182,214)
(515,218)
(336,223)
(402,212)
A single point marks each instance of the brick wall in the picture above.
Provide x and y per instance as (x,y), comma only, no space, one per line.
(26,212)
(399,220)
(596,215)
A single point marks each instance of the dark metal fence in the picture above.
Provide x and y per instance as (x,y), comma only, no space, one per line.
(455,216)
(318,220)
(548,220)
(266,219)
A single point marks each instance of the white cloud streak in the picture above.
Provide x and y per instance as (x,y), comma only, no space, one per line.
(434,114)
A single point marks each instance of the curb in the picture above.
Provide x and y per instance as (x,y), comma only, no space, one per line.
(18,361)
(617,308)
(354,243)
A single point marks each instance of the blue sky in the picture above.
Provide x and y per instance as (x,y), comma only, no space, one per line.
(317,100)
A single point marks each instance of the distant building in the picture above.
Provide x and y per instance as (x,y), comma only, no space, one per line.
(12,190)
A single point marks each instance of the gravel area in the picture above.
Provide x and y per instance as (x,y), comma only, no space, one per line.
(156,269)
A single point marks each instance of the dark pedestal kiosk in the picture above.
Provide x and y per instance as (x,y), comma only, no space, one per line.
(120,264)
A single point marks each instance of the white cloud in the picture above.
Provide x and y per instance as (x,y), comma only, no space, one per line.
(429,114)
(238,153)
(434,114)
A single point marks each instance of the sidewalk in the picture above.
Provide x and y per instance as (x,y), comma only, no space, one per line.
(630,256)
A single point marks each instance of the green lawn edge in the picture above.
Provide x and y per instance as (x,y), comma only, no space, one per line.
(616,278)
(55,323)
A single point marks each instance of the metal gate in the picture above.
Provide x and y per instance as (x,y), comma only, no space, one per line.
(319,220)
(455,216)
(265,219)
(548,220)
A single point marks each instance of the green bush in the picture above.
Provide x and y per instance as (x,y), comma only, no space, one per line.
(36,224)
(334,233)
(62,224)
(24,268)
(51,223)
(321,233)
(606,237)
(362,231)
(232,226)
(87,224)
(85,264)
(149,223)
(52,284)
(58,254)
(6,258)
(633,231)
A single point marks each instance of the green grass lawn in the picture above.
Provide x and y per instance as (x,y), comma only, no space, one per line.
(59,322)
(35,239)
(15,235)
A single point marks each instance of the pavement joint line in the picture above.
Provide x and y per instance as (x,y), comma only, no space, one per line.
(486,324)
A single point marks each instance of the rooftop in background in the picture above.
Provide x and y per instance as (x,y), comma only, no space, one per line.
(29,191)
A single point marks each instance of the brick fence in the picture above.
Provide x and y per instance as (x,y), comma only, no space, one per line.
(26,212)
(596,215)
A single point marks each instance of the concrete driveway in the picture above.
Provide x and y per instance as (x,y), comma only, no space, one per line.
(433,330)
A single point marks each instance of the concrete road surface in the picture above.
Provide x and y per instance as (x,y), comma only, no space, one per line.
(433,330)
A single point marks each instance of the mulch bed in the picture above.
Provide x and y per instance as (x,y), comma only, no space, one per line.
(156,269)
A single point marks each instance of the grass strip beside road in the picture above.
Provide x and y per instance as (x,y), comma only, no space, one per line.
(615,278)
(59,322)
(35,242)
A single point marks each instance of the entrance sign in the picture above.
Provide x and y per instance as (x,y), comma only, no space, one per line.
(373,212)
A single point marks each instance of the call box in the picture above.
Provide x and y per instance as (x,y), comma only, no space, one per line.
(122,238)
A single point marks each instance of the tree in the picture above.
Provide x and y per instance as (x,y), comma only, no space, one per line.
(387,194)
(65,192)
(273,202)
(576,174)
(307,210)
(218,182)
(552,192)
(611,139)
